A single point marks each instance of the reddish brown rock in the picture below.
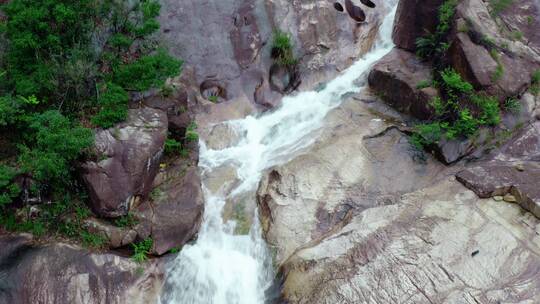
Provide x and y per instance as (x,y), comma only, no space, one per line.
(116,236)
(126,163)
(473,62)
(487,55)
(174,214)
(61,273)
(245,36)
(355,12)
(499,179)
(414,18)
(397,76)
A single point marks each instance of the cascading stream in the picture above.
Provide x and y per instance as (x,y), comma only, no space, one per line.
(223,268)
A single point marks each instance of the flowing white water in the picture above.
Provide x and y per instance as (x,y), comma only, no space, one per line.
(223,268)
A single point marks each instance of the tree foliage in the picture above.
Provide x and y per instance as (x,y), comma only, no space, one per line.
(67,66)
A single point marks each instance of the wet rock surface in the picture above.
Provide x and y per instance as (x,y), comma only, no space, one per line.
(173,214)
(371,220)
(325,40)
(487,45)
(514,170)
(413,19)
(128,158)
(398,76)
(61,273)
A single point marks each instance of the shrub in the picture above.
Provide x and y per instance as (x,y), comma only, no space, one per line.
(498,6)
(282,49)
(466,124)
(490,110)
(213,98)
(10,109)
(172,146)
(434,43)
(423,84)
(438,105)
(429,133)
(141,250)
(113,102)
(147,72)
(454,83)
(51,145)
(126,221)
(512,105)
(535,83)
(499,70)
(92,240)
(8,190)
(191,133)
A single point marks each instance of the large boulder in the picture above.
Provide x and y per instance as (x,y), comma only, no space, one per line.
(307,199)
(127,160)
(414,18)
(173,215)
(61,273)
(514,171)
(491,58)
(374,221)
(438,245)
(397,77)
(495,179)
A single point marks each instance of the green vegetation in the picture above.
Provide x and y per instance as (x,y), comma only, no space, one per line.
(141,250)
(499,70)
(63,218)
(517,35)
(172,146)
(498,6)
(126,221)
(460,111)
(68,66)
(459,114)
(282,49)
(512,105)
(535,83)
(435,43)
(175,250)
(213,98)
(423,84)
(191,133)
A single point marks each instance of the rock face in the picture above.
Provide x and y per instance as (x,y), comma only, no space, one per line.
(373,221)
(413,19)
(484,47)
(490,180)
(60,273)
(174,214)
(397,76)
(117,236)
(515,170)
(128,158)
(326,41)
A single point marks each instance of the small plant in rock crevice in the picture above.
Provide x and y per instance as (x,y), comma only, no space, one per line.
(512,105)
(435,44)
(535,83)
(459,114)
(141,250)
(282,49)
(498,6)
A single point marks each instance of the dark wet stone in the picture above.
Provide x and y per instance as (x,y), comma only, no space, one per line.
(355,12)
(368,3)
(212,87)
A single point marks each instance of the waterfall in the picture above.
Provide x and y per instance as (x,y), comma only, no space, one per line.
(224,268)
